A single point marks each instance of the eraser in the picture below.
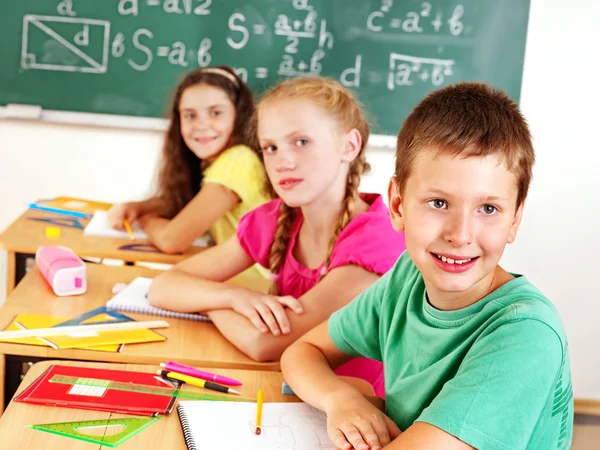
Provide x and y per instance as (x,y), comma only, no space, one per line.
(52,232)
(18,111)
(286,389)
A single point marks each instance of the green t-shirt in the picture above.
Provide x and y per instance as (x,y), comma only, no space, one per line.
(495,374)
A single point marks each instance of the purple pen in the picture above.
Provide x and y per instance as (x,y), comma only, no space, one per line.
(193,372)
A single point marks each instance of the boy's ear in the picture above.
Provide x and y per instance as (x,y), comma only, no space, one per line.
(395,205)
(512,233)
(352,145)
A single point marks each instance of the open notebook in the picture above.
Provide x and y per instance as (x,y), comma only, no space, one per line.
(134,299)
(99,226)
(230,426)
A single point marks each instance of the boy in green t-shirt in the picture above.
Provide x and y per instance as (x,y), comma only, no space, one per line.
(474,356)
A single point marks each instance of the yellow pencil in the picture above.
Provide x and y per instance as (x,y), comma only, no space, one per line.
(129,230)
(259,404)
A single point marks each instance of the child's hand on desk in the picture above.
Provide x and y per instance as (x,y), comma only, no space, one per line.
(124,211)
(354,423)
(266,312)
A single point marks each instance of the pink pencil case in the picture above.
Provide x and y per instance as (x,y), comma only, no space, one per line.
(63,270)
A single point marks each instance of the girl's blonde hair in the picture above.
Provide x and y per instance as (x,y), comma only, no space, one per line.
(346,110)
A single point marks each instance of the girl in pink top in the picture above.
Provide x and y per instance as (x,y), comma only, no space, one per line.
(323,242)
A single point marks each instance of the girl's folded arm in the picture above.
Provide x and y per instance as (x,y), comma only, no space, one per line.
(338,288)
(196,284)
(178,234)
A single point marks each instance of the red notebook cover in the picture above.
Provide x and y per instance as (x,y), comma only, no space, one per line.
(44,392)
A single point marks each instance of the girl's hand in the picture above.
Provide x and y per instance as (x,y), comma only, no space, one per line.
(121,211)
(353,422)
(266,312)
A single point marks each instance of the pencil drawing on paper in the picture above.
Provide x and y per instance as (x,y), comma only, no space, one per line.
(306,430)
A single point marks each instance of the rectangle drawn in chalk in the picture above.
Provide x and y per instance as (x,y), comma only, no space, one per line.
(65,44)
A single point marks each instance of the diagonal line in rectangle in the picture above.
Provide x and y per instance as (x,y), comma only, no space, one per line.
(67,44)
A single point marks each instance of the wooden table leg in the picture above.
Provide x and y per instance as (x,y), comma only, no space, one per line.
(2,381)
(11,270)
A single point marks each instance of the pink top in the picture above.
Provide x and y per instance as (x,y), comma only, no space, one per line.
(368,241)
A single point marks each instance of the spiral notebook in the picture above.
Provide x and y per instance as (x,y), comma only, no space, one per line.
(134,298)
(230,426)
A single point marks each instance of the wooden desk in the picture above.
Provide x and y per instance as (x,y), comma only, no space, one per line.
(195,343)
(163,434)
(25,235)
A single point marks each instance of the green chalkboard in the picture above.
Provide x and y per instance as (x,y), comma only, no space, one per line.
(124,57)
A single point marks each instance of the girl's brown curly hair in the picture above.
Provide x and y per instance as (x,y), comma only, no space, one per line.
(180,173)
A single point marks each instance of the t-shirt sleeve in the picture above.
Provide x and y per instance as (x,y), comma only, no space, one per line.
(256,230)
(369,242)
(238,169)
(497,396)
(354,329)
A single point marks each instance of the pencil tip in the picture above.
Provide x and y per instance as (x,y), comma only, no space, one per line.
(233,391)
(257,431)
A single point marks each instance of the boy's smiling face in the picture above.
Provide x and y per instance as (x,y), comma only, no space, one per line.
(458,214)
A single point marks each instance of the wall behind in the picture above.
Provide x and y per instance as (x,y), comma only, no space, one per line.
(558,242)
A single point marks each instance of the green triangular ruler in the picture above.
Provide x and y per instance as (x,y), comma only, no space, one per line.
(77,430)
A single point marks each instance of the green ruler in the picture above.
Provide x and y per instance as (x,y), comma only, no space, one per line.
(77,430)
(156,390)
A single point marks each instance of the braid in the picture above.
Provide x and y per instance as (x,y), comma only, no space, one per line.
(357,168)
(345,109)
(280,242)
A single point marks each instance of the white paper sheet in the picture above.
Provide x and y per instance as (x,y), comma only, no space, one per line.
(231,425)
(99,226)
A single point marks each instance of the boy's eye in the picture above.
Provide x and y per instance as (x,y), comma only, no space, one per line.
(489,209)
(301,142)
(437,204)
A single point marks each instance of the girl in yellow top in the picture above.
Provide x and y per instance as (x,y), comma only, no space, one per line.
(211,174)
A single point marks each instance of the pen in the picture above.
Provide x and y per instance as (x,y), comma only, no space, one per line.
(196,382)
(193,372)
(259,404)
(129,230)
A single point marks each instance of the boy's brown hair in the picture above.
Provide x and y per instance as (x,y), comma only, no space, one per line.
(465,120)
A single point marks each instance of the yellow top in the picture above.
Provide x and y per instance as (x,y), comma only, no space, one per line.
(240,169)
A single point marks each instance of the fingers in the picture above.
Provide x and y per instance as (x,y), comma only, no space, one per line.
(392,428)
(339,440)
(382,435)
(115,217)
(362,434)
(254,317)
(291,303)
(131,215)
(267,317)
(280,315)
(354,436)
(117,225)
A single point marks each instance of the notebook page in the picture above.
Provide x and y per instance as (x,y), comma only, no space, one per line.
(231,425)
(134,298)
(135,295)
(100,226)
